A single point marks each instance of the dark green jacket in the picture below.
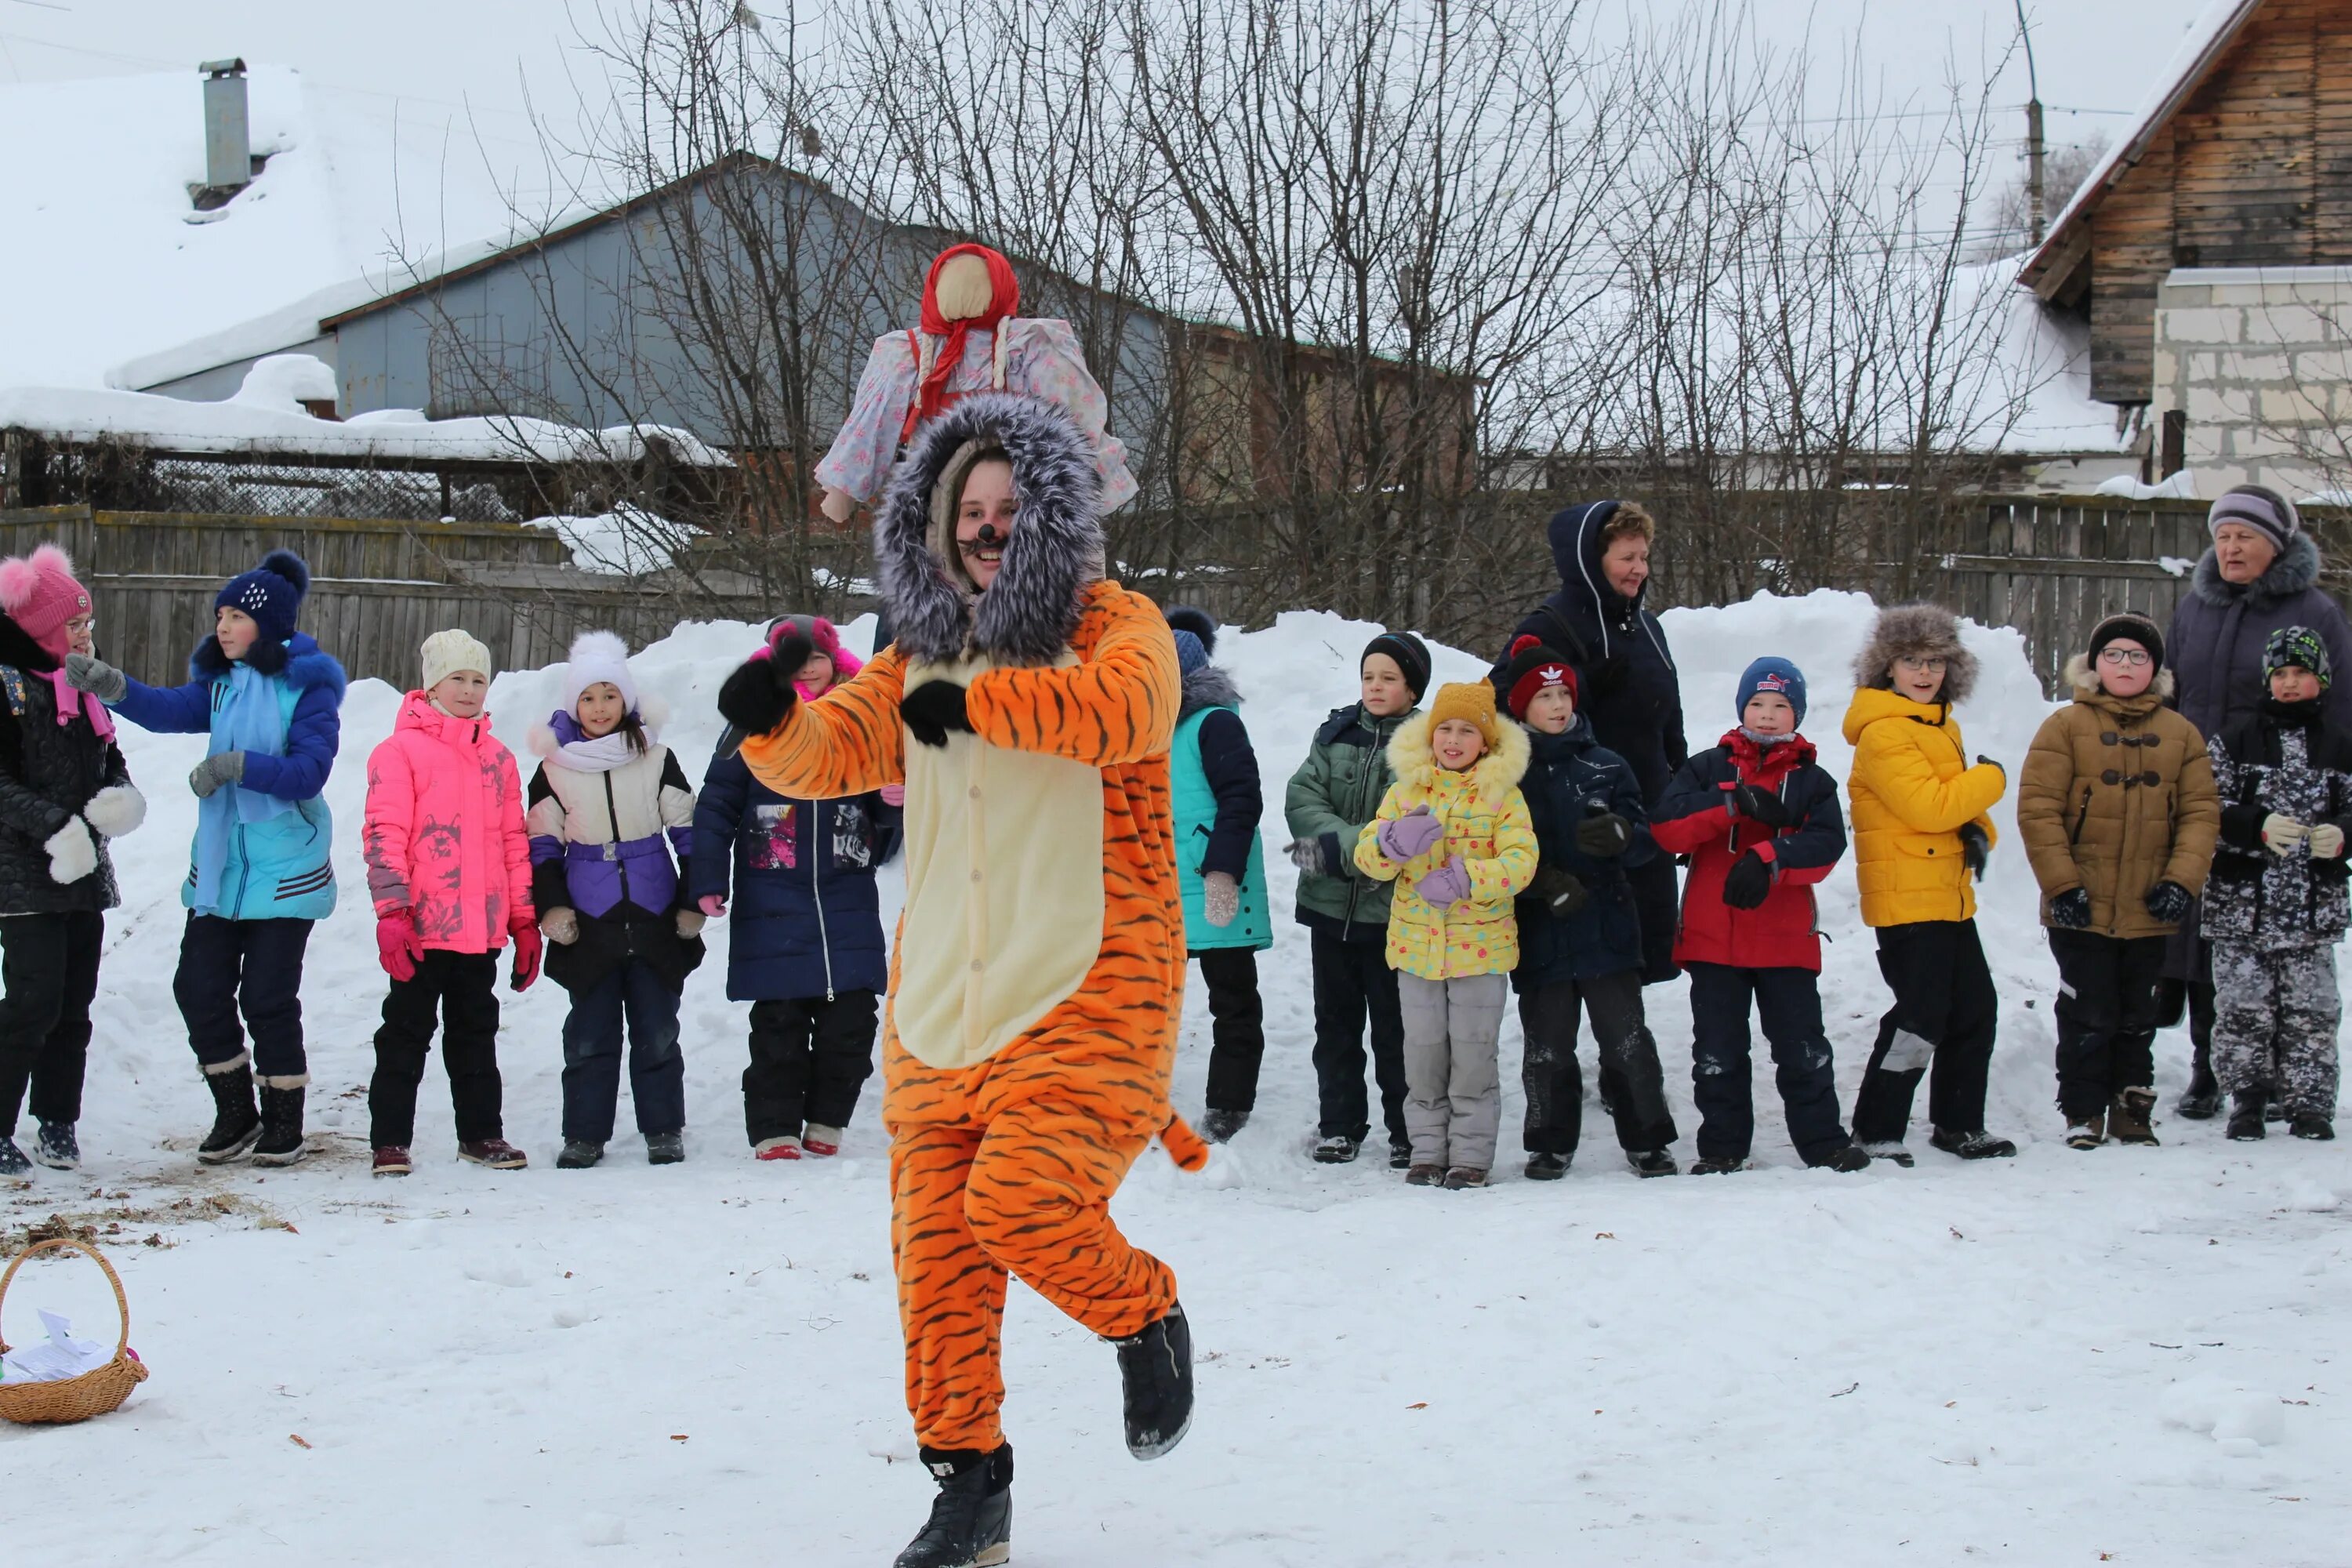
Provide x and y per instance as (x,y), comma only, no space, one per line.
(1335,792)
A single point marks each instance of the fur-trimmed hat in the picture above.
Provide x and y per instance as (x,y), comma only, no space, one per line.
(40,594)
(1533,668)
(598,658)
(1918,631)
(271,594)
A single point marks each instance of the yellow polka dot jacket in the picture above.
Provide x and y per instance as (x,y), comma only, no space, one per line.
(1486,825)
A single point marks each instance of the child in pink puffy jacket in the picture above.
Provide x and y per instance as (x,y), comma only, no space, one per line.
(448,866)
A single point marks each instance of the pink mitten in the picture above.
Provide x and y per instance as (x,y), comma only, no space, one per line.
(712,906)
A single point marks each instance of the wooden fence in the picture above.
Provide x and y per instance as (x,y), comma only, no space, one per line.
(378,587)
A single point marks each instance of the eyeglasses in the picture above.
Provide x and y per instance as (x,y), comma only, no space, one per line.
(2134,656)
(82,623)
(1921,665)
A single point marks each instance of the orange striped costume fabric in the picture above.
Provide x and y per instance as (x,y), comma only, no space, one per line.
(1011,1128)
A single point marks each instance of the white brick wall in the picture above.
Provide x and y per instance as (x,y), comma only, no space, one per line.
(2261,363)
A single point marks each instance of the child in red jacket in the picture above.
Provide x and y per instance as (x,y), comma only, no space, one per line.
(1760,819)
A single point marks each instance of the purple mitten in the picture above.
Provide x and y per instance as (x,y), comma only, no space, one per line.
(1404,837)
(1449,884)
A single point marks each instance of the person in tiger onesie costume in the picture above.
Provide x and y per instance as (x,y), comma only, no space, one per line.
(1027,706)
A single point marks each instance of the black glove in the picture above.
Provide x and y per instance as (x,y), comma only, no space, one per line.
(1607,678)
(1975,849)
(2168,902)
(1985,762)
(1561,893)
(932,709)
(1749,882)
(1604,835)
(2071,910)
(760,696)
(1762,805)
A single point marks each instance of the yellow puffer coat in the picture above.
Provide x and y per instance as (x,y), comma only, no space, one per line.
(1486,823)
(1913,791)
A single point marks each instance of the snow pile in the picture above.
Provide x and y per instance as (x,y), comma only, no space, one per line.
(264,416)
(1605,1369)
(2181,485)
(626,541)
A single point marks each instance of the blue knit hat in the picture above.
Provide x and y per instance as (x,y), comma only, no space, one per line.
(1775,675)
(271,594)
(1190,653)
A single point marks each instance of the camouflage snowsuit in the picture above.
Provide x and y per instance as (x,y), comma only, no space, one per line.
(2275,920)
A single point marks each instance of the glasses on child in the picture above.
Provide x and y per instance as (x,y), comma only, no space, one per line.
(1921,665)
(2134,656)
(81,626)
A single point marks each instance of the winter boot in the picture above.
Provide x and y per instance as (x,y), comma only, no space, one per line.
(1336,1150)
(665,1148)
(236,1121)
(2246,1117)
(1399,1154)
(2201,1101)
(1652,1163)
(2087,1131)
(1977,1145)
(972,1518)
(12,1159)
(1850,1158)
(1716,1164)
(1462,1176)
(1891,1150)
(2132,1122)
(1155,1370)
(2312,1125)
(281,1127)
(392,1160)
(2274,1108)
(495,1153)
(55,1146)
(1219,1126)
(1423,1175)
(579,1154)
(786,1148)
(1547,1167)
(818,1139)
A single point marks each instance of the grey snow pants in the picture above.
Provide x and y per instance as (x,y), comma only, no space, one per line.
(1454,1092)
(2275,1020)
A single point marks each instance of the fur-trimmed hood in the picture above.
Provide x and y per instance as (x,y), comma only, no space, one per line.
(2297,569)
(1056,551)
(300,658)
(1494,775)
(1207,687)
(2082,681)
(1923,631)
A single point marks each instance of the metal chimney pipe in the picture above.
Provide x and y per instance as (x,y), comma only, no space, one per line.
(228,137)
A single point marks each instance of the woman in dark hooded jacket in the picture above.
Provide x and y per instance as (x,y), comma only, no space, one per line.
(2259,575)
(1631,692)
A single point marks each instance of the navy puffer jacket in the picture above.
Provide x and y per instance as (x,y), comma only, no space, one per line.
(806,919)
(1567,775)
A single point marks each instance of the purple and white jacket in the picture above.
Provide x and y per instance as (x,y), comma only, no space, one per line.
(609,826)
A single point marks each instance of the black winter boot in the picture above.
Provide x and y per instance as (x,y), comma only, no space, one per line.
(1156,1370)
(2246,1117)
(2201,1101)
(12,1159)
(972,1518)
(281,1127)
(1976,1145)
(1547,1167)
(1219,1126)
(56,1146)
(237,1122)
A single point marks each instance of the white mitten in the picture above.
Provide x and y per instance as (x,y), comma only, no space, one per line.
(560,926)
(2327,840)
(115,810)
(2283,834)
(73,853)
(1221,897)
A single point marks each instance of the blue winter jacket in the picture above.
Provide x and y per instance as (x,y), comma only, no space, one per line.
(282,868)
(1568,775)
(806,919)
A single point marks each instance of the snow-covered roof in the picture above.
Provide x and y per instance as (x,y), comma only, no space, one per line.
(2045,362)
(106,258)
(2202,46)
(265,418)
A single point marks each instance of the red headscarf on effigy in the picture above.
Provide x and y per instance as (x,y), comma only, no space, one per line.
(1003,299)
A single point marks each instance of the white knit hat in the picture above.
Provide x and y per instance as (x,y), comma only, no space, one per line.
(447,653)
(598,656)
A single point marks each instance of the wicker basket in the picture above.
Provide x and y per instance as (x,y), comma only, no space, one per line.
(92,1393)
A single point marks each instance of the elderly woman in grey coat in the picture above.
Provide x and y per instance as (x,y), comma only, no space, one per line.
(2261,573)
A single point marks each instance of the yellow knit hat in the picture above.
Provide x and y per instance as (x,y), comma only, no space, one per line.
(1472,702)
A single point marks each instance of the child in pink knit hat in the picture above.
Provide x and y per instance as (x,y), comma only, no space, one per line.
(64,792)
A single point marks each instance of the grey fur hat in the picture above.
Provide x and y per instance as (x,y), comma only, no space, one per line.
(1027,616)
(1922,631)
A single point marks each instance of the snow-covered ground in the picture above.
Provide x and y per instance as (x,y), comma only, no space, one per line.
(2121,1355)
